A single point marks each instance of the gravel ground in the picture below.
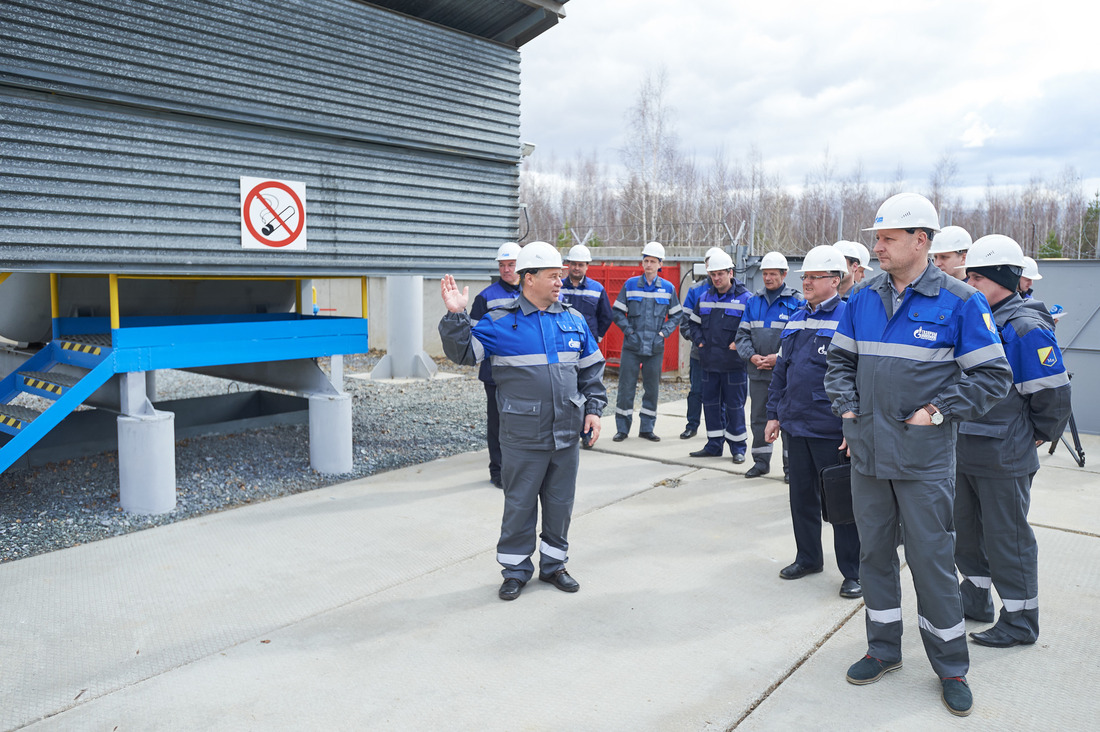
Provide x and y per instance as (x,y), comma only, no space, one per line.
(76,501)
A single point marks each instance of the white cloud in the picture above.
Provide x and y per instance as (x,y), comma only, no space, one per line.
(878,84)
(977,133)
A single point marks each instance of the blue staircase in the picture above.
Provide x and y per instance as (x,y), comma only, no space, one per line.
(89,353)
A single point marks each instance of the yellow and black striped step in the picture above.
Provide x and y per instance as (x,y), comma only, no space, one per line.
(17,417)
(55,383)
(92,343)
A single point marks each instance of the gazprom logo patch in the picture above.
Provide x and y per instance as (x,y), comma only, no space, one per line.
(924,335)
(1047,357)
(574,344)
(784,316)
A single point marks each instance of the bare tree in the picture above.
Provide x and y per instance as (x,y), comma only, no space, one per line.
(651,155)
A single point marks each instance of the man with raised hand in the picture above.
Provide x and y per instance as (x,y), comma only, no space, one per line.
(548,370)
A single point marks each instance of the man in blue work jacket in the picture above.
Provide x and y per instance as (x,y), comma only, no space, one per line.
(767,313)
(501,292)
(797,403)
(548,370)
(695,371)
(916,353)
(647,311)
(997,457)
(713,326)
(584,294)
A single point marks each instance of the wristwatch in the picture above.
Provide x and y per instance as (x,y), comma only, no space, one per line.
(935,414)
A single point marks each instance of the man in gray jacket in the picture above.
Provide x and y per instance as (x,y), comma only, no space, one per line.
(548,369)
(997,454)
(915,353)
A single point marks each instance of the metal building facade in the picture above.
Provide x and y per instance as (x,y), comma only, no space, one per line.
(125,126)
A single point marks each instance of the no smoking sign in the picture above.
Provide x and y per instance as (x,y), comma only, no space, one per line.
(273,214)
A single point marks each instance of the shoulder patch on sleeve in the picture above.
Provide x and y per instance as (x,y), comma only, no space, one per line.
(989,322)
(1047,356)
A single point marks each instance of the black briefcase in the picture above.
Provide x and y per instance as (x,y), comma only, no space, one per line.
(836,493)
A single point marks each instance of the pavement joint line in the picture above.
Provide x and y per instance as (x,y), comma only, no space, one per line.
(797,665)
(669,461)
(1089,534)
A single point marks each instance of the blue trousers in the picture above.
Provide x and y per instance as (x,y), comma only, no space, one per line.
(695,394)
(629,364)
(724,408)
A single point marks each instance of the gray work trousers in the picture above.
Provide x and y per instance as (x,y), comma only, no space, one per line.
(532,477)
(995,545)
(758,419)
(924,509)
(629,364)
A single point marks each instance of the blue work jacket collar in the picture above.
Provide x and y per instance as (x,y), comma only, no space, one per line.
(928,283)
(826,307)
(784,291)
(527,308)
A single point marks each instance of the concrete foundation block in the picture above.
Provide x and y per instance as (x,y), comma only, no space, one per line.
(147,463)
(330,433)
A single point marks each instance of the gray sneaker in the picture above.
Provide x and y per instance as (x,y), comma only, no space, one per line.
(868,670)
(956,696)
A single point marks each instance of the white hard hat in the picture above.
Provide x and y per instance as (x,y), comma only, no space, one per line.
(992,251)
(719,261)
(710,253)
(579,253)
(508,250)
(773,260)
(848,249)
(951,239)
(538,255)
(906,211)
(825,258)
(1031,269)
(864,256)
(653,249)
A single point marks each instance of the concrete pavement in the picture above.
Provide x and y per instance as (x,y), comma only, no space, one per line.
(372,605)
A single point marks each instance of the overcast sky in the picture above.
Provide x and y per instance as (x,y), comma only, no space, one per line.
(1010,89)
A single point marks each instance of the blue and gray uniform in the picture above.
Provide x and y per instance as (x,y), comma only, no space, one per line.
(934,343)
(646,313)
(695,371)
(766,315)
(713,324)
(590,299)
(492,297)
(548,370)
(997,459)
(796,397)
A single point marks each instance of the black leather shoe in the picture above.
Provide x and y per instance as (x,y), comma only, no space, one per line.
(786,477)
(496,481)
(649,436)
(796,571)
(851,589)
(619,437)
(757,470)
(738,458)
(996,638)
(510,589)
(688,434)
(702,453)
(561,580)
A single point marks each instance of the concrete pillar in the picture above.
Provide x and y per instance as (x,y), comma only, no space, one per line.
(147,463)
(146,451)
(330,433)
(405,356)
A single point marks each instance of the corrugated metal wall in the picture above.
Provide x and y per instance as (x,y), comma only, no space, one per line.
(125,127)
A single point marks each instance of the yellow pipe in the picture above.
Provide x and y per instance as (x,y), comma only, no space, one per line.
(298,296)
(4,276)
(113,283)
(364,289)
(55,296)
